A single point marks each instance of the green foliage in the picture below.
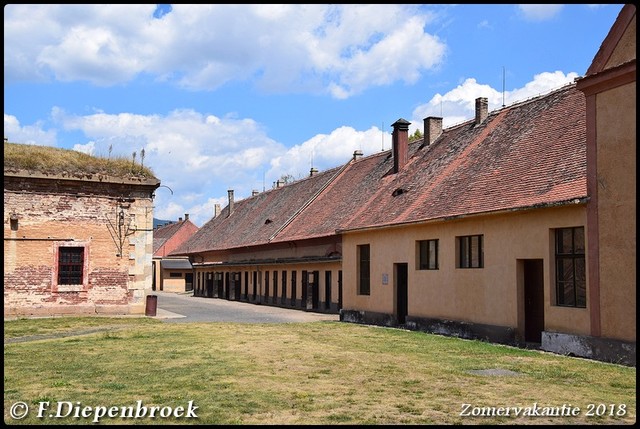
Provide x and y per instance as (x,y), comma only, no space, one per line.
(417,135)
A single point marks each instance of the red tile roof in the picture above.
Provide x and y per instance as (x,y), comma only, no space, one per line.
(257,219)
(167,237)
(526,155)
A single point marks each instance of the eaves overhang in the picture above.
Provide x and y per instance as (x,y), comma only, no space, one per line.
(572,201)
(269,261)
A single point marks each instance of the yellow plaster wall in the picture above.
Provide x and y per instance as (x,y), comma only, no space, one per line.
(626,48)
(616,181)
(486,295)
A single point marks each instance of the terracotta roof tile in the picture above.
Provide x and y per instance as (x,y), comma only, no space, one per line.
(256,219)
(526,155)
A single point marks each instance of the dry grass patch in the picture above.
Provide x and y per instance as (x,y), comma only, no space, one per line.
(307,373)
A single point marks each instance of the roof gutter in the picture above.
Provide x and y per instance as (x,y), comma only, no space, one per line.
(573,201)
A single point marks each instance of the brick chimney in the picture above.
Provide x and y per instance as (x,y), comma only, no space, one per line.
(186,216)
(216,210)
(482,109)
(432,129)
(230,193)
(400,139)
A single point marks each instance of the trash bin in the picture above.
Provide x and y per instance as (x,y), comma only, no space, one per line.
(152,305)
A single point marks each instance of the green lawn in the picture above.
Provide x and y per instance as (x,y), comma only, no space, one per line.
(298,373)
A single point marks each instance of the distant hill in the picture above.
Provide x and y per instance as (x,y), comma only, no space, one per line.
(159,222)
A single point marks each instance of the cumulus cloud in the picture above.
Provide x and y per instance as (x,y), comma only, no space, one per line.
(325,151)
(458,105)
(193,154)
(28,134)
(339,50)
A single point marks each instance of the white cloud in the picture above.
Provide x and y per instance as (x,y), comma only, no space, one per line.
(28,134)
(540,12)
(193,154)
(458,105)
(327,151)
(85,148)
(335,49)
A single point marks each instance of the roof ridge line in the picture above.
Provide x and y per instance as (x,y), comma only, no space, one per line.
(310,200)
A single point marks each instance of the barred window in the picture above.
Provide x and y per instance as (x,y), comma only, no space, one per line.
(70,265)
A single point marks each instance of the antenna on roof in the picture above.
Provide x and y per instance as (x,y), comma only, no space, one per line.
(382,132)
(503,77)
(312,150)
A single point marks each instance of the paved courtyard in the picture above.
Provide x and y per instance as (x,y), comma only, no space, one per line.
(183,308)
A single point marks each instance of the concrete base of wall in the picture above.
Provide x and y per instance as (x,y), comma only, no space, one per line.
(602,349)
(368,318)
(470,331)
(73,310)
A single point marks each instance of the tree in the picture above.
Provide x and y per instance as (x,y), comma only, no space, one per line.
(415,136)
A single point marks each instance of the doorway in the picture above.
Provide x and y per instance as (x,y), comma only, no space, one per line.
(401,275)
(533,300)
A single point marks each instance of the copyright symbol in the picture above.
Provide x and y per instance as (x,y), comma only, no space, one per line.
(19,410)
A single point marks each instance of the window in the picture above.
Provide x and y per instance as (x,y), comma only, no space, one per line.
(571,284)
(428,255)
(175,275)
(70,265)
(364,275)
(470,251)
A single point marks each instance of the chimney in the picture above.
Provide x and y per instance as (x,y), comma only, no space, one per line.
(432,129)
(482,109)
(313,172)
(186,216)
(230,193)
(216,210)
(357,154)
(179,219)
(400,139)
(254,192)
(279,184)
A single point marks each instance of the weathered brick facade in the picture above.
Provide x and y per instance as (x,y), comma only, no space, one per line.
(110,220)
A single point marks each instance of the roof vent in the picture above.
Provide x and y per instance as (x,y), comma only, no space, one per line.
(268,221)
(398,191)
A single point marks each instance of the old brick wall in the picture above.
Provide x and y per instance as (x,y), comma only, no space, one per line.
(42,215)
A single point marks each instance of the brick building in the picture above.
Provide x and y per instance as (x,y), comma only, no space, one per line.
(172,274)
(77,233)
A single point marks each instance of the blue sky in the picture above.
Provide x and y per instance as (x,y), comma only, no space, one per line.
(236,96)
